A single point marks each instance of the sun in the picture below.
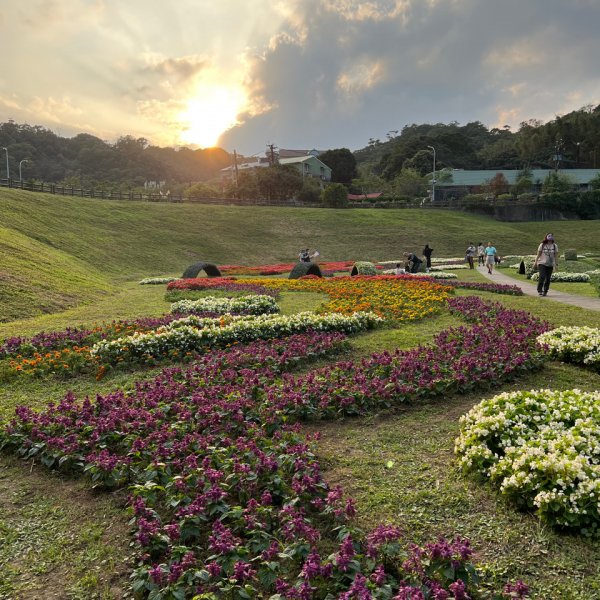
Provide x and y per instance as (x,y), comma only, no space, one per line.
(210,113)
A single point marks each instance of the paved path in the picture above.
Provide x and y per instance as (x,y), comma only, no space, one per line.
(531,290)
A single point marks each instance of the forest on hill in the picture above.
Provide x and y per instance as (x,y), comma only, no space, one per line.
(85,160)
(568,141)
(571,140)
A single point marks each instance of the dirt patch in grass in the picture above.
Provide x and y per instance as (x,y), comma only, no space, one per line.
(60,538)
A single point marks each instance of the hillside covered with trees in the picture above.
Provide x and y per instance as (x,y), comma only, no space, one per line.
(572,139)
(85,160)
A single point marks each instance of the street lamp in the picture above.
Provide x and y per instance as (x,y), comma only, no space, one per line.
(7,167)
(433,180)
(24,160)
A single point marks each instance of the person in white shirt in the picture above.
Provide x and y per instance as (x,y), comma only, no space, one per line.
(546,261)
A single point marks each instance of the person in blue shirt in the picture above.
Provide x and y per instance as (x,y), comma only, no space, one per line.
(490,257)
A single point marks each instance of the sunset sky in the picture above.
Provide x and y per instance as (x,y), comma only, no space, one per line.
(296,73)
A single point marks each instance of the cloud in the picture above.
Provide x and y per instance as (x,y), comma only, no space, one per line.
(316,73)
(341,71)
(179,69)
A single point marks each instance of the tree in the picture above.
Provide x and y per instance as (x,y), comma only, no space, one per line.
(595,182)
(421,162)
(201,190)
(410,183)
(310,192)
(498,184)
(556,182)
(279,182)
(342,164)
(335,195)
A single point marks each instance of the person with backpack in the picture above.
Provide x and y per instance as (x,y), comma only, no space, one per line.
(413,262)
(470,255)
(427,252)
(545,261)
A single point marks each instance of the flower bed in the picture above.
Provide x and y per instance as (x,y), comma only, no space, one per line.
(157,280)
(228,499)
(279,269)
(67,353)
(401,298)
(449,267)
(250,305)
(542,448)
(564,277)
(192,335)
(222,283)
(432,275)
(579,345)
(453,363)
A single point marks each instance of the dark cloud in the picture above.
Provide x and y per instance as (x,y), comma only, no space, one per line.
(340,72)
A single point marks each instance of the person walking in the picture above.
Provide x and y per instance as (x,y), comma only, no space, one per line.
(490,257)
(545,261)
(481,254)
(470,255)
(427,252)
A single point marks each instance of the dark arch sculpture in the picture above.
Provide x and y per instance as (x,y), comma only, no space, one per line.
(192,271)
(305,268)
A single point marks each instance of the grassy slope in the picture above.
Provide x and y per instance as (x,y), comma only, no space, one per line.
(113,241)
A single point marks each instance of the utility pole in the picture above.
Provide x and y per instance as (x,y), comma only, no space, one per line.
(433,179)
(7,167)
(235,169)
(271,154)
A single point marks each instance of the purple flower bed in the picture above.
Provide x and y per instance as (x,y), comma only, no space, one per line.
(495,288)
(499,345)
(226,494)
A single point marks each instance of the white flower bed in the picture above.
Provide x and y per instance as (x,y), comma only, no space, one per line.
(194,334)
(251,304)
(543,450)
(564,277)
(449,267)
(438,260)
(594,272)
(579,345)
(157,280)
(434,275)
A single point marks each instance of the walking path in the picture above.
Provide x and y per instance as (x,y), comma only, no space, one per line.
(531,290)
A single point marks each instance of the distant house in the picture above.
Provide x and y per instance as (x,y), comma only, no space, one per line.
(305,161)
(309,166)
(463,182)
(297,153)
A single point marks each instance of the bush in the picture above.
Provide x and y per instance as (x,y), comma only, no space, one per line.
(570,254)
(335,195)
(364,268)
(310,192)
(595,281)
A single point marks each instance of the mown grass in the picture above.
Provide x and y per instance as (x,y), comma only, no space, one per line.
(424,493)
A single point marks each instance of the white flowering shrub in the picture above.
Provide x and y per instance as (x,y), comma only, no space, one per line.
(542,448)
(195,334)
(157,280)
(579,345)
(564,277)
(250,304)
